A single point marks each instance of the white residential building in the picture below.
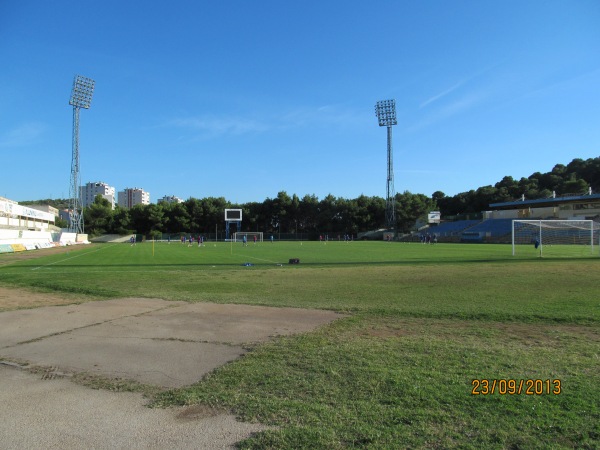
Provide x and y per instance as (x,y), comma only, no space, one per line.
(90,190)
(170,199)
(130,197)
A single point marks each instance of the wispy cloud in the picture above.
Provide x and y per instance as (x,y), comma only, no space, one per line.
(23,135)
(462,83)
(462,104)
(441,94)
(209,126)
(325,115)
(458,106)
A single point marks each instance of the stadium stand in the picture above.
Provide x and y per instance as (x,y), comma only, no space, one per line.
(447,229)
(490,230)
(24,228)
(493,227)
(18,240)
(13,240)
(444,232)
(111,238)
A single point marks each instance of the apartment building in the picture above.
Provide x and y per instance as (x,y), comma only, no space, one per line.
(170,199)
(90,190)
(130,197)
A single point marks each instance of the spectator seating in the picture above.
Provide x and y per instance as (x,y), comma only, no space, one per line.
(493,227)
(446,229)
(17,240)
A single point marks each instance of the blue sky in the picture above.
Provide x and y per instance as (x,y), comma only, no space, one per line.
(244,99)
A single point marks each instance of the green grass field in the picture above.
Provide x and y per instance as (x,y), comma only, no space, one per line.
(423,322)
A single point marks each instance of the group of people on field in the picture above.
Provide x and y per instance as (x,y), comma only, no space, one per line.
(254,239)
(245,240)
(325,237)
(428,238)
(191,239)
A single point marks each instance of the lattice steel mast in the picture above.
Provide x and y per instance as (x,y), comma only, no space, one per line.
(385,110)
(81,97)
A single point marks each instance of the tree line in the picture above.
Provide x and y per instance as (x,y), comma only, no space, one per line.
(312,216)
(576,178)
(309,215)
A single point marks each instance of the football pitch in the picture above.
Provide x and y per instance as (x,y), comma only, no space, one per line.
(431,331)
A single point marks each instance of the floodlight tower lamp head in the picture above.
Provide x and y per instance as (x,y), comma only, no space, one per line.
(82,92)
(385,110)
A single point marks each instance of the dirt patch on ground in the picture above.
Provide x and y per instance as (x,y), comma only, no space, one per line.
(196,412)
(16,298)
(9,258)
(543,333)
(532,333)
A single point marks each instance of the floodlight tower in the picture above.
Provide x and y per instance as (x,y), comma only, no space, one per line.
(81,97)
(385,110)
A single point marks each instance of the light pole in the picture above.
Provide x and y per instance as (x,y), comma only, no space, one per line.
(81,97)
(385,110)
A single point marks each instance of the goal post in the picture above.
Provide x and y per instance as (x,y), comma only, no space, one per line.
(559,238)
(239,236)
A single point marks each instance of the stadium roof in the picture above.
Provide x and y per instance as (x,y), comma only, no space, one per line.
(541,202)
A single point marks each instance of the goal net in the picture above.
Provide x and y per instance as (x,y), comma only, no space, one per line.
(250,235)
(557,238)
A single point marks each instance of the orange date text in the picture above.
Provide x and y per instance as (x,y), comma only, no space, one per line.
(504,386)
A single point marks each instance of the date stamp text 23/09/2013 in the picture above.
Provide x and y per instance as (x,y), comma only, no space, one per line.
(503,386)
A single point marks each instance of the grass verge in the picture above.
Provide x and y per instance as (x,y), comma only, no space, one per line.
(425,322)
(387,382)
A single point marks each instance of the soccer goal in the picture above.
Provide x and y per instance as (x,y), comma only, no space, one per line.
(239,236)
(557,238)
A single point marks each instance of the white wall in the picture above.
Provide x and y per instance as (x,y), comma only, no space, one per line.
(25,237)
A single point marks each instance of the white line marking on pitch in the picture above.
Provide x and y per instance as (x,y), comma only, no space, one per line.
(66,259)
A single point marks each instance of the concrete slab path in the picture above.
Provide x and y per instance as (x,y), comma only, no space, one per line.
(154,342)
(59,414)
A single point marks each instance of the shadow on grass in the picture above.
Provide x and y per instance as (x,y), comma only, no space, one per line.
(249,265)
